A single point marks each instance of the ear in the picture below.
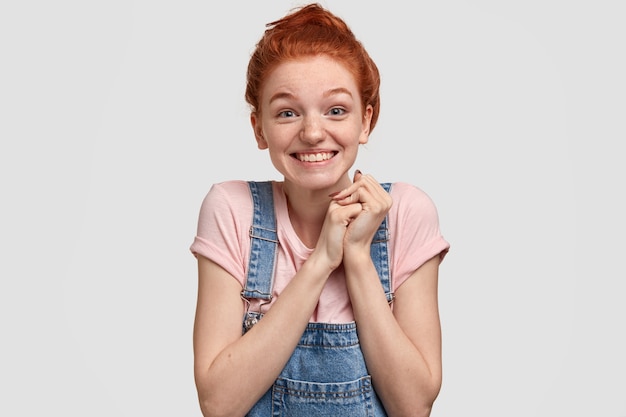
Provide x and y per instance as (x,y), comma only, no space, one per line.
(255,121)
(367,119)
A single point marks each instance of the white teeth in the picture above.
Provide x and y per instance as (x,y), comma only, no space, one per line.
(318,157)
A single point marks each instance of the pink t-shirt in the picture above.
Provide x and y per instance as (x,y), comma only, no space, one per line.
(226,216)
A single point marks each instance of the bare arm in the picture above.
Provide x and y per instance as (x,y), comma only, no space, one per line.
(402,349)
(227,363)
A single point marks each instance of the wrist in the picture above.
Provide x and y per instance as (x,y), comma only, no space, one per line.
(320,264)
(357,257)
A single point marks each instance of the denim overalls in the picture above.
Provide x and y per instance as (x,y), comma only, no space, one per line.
(326,374)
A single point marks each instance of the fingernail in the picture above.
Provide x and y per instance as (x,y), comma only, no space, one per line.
(331,195)
(358,171)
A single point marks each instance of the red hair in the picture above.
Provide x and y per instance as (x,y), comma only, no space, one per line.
(309,31)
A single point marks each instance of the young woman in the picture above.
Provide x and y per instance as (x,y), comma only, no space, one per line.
(317,295)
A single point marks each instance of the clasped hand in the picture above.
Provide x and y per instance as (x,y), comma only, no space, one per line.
(354,215)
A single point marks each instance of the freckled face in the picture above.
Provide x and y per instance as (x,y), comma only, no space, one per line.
(311,121)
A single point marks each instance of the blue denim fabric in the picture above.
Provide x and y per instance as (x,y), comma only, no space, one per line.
(263,242)
(380,253)
(326,374)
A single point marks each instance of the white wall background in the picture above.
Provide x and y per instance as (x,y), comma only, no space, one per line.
(117,116)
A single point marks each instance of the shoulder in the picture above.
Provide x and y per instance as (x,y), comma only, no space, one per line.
(232,188)
(414,226)
(406,194)
(413,206)
(226,197)
(228,192)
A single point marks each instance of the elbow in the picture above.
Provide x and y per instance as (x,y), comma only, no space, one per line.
(425,399)
(213,402)
(423,412)
(417,403)
(213,407)
(415,409)
(422,409)
(428,398)
(207,408)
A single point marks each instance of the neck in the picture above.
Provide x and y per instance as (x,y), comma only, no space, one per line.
(307,210)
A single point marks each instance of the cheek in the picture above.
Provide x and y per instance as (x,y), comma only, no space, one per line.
(279,135)
(354,135)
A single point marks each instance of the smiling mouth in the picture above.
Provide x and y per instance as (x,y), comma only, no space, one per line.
(314,157)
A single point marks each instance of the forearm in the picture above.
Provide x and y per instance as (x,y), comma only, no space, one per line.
(403,378)
(253,362)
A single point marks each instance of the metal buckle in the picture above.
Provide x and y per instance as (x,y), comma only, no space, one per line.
(250,318)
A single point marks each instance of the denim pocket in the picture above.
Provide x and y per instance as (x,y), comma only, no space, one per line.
(300,398)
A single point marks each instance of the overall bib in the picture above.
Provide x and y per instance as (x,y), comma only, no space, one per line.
(326,374)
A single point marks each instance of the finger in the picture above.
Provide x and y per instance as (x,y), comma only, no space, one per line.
(344,213)
(370,194)
(343,194)
(360,195)
(362,190)
(348,199)
(373,186)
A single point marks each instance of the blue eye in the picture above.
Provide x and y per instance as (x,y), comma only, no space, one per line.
(286,113)
(336,111)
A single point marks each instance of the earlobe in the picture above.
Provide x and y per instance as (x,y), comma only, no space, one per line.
(258,131)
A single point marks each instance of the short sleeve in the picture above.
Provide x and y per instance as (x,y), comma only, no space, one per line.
(223,227)
(415,233)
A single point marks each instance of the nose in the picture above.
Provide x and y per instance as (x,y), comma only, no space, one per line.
(312,129)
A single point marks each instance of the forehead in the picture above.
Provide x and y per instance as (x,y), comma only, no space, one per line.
(310,75)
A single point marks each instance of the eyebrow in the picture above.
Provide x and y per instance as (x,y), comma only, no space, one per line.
(336,91)
(329,93)
(280,95)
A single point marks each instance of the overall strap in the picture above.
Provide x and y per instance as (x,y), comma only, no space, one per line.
(379,252)
(263,241)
